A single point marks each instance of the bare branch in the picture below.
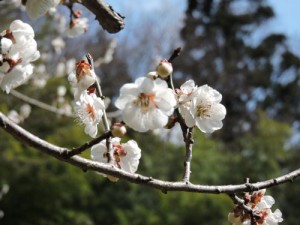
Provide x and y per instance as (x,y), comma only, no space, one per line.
(110,20)
(39,104)
(188,139)
(85,164)
(99,92)
(79,150)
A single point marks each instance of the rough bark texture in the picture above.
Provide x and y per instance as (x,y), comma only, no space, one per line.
(110,20)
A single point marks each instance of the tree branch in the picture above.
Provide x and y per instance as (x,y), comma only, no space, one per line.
(82,148)
(85,164)
(110,20)
(39,104)
(188,139)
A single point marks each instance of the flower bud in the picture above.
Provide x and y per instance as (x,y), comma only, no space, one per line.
(164,69)
(118,130)
(152,75)
(112,178)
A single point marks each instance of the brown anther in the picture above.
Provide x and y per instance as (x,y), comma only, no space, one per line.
(82,69)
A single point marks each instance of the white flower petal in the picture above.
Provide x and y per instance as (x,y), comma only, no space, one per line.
(5,45)
(147,86)
(208,126)
(133,117)
(91,129)
(188,116)
(188,87)
(130,162)
(166,100)
(98,151)
(20,30)
(156,119)
(19,75)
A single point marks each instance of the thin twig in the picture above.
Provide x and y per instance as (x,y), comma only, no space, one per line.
(240,202)
(175,54)
(39,104)
(188,154)
(58,152)
(104,117)
(99,92)
(82,148)
(186,131)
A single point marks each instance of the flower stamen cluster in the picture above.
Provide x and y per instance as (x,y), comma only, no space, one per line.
(146,101)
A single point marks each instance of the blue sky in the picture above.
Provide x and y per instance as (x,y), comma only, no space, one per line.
(287,16)
(287,21)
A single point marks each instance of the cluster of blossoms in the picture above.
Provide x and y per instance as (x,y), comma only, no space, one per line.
(148,103)
(124,156)
(37,8)
(89,108)
(19,117)
(260,204)
(17,50)
(201,106)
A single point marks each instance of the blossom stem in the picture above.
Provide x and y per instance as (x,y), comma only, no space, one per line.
(99,93)
(82,148)
(104,117)
(188,154)
(241,203)
(186,131)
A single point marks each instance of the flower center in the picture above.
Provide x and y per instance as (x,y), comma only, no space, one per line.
(82,69)
(118,153)
(145,101)
(203,110)
(90,110)
(12,63)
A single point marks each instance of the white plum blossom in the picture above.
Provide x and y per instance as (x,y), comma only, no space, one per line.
(77,27)
(89,108)
(17,76)
(261,206)
(82,79)
(201,106)
(24,113)
(58,44)
(19,49)
(37,8)
(146,104)
(126,156)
